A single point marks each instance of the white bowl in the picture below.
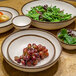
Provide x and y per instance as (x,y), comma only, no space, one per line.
(39,32)
(68,8)
(68,46)
(16,46)
(21,22)
(6,26)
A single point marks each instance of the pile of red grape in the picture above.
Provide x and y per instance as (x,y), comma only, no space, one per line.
(32,54)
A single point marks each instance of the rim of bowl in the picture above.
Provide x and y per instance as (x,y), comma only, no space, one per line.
(9,18)
(12,14)
(21,66)
(63,41)
(23,25)
(46,21)
(32,29)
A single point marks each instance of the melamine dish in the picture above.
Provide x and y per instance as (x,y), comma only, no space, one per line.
(21,22)
(7,25)
(18,44)
(67,46)
(39,32)
(9,14)
(68,8)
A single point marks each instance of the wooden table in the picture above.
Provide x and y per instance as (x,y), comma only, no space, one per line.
(66,66)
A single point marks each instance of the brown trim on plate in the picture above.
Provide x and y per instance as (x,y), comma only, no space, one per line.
(35,70)
(21,66)
(30,29)
(12,14)
(49,22)
(23,16)
(9,18)
(63,41)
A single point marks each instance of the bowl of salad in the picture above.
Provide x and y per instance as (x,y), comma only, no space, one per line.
(67,37)
(50,15)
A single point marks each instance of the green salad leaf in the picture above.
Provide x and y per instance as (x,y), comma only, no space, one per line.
(64,36)
(46,13)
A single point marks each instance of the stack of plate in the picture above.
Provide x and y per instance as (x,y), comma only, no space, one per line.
(17,41)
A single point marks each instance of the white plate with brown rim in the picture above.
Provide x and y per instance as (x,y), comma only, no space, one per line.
(9,14)
(16,46)
(38,32)
(6,26)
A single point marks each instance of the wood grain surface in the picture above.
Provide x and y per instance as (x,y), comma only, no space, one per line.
(66,66)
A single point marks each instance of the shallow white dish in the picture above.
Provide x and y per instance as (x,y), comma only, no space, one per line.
(42,33)
(9,14)
(7,25)
(16,46)
(68,8)
(21,22)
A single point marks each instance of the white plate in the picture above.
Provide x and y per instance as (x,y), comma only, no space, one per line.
(42,33)
(17,45)
(6,26)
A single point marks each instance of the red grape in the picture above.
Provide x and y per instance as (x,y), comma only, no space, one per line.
(33,58)
(40,53)
(46,54)
(43,47)
(35,51)
(35,46)
(23,62)
(25,51)
(40,47)
(35,62)
(36,54)
(29,46)
(32,54)
(27,57)
(29,63)
(17,59)
(45,50)
(21,57)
